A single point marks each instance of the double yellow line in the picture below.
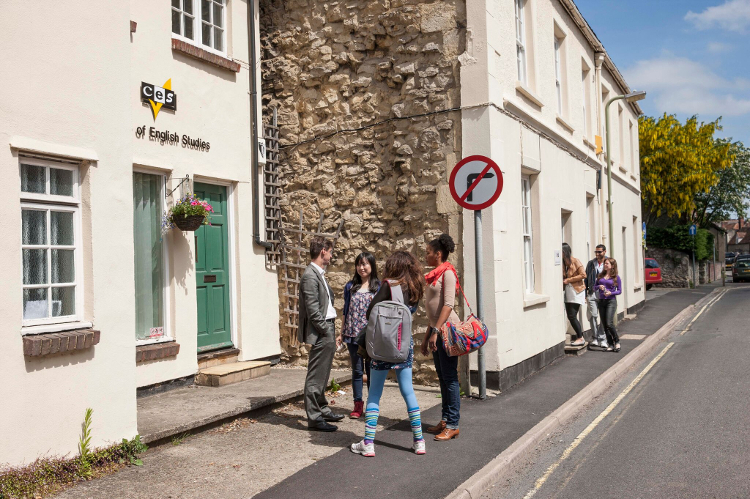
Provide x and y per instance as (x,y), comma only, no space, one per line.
(566,454)
(705,307)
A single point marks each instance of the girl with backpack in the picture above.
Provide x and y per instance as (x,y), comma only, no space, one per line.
(440,296)
(609,286)
(358,294)
(402,270)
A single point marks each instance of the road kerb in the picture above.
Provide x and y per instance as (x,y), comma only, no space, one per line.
(474,487)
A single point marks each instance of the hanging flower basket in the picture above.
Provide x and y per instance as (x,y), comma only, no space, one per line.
(190,223)
(188,214)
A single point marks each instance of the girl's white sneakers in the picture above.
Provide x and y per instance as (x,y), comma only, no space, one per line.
(419,447)
(367,450)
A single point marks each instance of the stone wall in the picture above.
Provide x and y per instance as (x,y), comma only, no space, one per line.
(676,267)
(364,90)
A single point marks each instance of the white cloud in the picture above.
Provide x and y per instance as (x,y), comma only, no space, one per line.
(718,47)
(732,15)
(681,85)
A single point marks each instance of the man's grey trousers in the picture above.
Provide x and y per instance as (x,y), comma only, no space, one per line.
(319,363)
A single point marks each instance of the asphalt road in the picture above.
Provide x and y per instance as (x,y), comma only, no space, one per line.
(681,430)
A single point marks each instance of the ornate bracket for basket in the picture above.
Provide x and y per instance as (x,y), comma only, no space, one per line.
(167,194)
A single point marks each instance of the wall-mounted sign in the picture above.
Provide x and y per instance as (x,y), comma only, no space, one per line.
(159,97)
(172,138)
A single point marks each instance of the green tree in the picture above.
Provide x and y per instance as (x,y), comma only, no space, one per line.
(678,161)
(729,195)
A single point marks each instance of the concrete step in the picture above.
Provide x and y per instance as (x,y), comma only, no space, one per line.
(226,374)
(579,350)
(218,357)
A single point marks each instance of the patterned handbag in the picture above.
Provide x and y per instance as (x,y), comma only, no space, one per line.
(464,337)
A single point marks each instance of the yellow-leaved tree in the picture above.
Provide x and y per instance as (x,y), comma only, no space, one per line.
(678,161)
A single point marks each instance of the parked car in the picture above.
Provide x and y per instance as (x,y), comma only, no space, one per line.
(741,268)
(729,260)
(652,272)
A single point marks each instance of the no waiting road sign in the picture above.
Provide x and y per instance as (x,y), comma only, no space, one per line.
(476,182)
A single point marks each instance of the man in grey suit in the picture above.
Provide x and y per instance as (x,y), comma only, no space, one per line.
(317,319)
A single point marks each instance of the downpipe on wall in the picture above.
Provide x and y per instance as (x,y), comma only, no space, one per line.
(254,126)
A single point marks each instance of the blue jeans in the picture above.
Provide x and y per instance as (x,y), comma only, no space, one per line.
(358,367)
(450,392)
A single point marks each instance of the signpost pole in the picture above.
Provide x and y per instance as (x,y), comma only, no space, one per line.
(480,311)
(695,283)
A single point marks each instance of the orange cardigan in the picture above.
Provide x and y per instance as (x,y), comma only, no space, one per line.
(576,275)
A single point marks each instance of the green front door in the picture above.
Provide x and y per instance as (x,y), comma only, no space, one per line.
(212,272)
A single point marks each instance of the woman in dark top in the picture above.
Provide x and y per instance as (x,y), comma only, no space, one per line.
(609,286)
(401,269)
(358,294)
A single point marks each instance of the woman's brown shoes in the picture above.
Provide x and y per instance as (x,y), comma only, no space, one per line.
(437,429)
(447,434)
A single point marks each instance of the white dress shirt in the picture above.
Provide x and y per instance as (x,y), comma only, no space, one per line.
(331,313)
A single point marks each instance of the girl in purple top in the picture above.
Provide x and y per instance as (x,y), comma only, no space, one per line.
(609,285)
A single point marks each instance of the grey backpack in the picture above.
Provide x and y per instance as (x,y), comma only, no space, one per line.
(388,335)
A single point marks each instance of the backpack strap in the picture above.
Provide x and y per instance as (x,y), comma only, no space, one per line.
(396,293)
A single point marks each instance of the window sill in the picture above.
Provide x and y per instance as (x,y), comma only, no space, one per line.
(42,345)
(565,124)
(156,351)
(523,90)
(54,328)
(529,300)
(622,169)
(637,288)
(633,177)
(589,144)
(204,55)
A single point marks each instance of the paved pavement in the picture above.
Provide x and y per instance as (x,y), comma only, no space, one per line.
(257,459)
(681,431)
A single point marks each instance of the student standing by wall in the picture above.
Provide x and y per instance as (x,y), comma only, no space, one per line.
(358,294)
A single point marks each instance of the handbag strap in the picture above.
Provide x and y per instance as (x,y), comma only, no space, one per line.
(462,293)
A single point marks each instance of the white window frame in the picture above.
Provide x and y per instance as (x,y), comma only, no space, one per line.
(521,59)
(632,152)
(558,75)
(198,27)
(527,230)
(620,136)
(585,97)
(48,203)
(165,262)
(181,34)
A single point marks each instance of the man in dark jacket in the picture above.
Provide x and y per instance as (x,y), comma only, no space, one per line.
(316,327)
(593,269)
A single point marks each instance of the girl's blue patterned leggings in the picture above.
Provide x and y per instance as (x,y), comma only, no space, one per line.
(377,381)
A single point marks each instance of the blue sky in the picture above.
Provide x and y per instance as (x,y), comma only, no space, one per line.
(691,56)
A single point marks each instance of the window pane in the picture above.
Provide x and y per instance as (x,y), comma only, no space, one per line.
(218,39)
(218,15)
(176,4)
(63,266)
(60,182)
(62,228)
(149,268)
(188,27)
(206,34)
(33,179)
(206,10)
(34,227)
(34,304)
(63,301)
(187,6)
(176,22)
(35,266)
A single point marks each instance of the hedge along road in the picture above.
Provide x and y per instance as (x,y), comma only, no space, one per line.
(676,426)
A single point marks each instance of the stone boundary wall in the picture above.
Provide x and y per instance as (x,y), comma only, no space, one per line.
(676,267)
(338,65)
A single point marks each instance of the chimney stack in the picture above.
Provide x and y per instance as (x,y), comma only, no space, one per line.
(740,223)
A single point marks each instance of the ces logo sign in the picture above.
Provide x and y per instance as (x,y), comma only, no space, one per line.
(159,96)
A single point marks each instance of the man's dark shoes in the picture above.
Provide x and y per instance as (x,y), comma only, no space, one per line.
(321,426)
(333,418)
